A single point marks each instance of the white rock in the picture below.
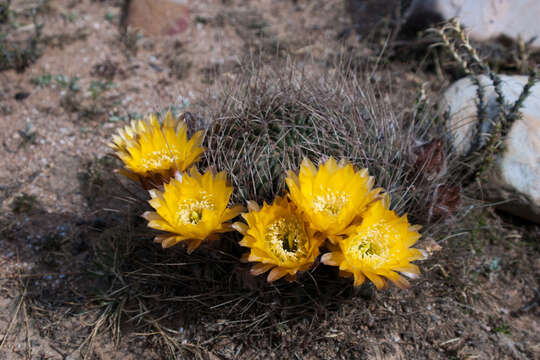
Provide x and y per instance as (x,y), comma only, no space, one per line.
(517,173)
(484,19)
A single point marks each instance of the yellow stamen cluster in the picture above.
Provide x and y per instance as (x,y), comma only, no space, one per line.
(191,211)
(286,239)
(330,203)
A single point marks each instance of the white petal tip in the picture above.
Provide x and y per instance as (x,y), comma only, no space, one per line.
(411,275)
(178,175)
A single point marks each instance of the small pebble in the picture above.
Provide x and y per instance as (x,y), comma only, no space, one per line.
(21,95)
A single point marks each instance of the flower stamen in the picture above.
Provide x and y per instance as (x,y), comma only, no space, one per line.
(158,160)
(370,245)
(191,211)
(331,202)
(366,248)
(287,239)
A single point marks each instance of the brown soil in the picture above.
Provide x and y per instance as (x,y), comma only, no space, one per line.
(478,296)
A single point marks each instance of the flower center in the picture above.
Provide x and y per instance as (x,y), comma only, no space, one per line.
(159,159)
(191,211)
(331,203)
(287,239)
(370,245)
(366,248)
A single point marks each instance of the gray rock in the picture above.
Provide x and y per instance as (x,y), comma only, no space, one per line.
(484,19)
(516,175)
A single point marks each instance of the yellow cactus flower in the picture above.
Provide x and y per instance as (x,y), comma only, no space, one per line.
(333,197)
(279,239)
(153,153)
(379,249)
(192,208)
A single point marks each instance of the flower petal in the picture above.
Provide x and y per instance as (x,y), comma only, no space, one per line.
(398,280)
(276,273)
(359,278)
(332,258)
(151,216)
(260,268)
(376,279)
(253,206)
(193,244)
(170,241)
(240,227)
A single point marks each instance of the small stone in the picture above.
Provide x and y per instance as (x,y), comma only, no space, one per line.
(159,17)
(515,177)
(484,19)
(21,95)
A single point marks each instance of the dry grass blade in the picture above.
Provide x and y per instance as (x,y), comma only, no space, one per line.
(12,321)
(21,304)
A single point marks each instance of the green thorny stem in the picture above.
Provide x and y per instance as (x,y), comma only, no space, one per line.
(487,146)
(502,123)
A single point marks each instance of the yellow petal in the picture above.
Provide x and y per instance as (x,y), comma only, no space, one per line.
(398,280)
(376,280)
(253,206)
(332,258)
(233,212)
(276,274)
(170,241)
(260,268)
(359,278)
(240,227)
(193,244)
